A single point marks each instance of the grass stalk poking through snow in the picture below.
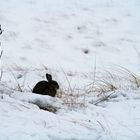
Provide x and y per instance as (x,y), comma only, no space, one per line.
(1,52)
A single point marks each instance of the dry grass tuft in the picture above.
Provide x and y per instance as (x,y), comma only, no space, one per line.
(110,81)
(72,98)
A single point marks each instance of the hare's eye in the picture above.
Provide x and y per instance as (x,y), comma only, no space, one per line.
(56,85)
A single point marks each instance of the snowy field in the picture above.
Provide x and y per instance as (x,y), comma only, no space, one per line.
(92,48)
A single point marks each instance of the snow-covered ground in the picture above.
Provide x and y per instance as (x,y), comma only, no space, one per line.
(74,40)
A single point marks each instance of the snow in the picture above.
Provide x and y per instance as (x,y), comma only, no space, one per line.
(21,119)
(59,31)
(53,36)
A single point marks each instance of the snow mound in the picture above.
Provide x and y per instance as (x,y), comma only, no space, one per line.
(21,118)
(42,101)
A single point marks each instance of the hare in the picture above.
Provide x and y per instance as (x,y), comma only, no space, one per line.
(49,87)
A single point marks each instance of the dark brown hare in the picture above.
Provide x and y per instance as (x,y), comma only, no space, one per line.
(49,87)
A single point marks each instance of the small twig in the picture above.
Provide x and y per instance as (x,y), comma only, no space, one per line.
(94,76)
(19,87)
(103,99)
(103,127)
(1,54)
(67,80)
(1,31)
(1,74)
(138,53)
(30,88)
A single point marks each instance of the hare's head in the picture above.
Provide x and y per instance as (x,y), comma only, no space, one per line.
(52,82)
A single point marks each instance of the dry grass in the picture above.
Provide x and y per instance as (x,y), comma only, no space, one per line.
(18,80)
(1,53)
(18,87)
(1,71)
(132,78)
(107,82)
(72,98)
(119,79)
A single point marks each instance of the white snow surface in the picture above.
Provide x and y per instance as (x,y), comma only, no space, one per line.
(116,119)
(71,39)
(55,33)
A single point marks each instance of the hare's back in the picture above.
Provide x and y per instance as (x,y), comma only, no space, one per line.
(40,87)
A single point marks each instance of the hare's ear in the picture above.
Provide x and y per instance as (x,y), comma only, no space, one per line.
(49,77)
